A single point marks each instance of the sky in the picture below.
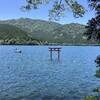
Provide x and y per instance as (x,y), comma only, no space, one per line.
(10,9)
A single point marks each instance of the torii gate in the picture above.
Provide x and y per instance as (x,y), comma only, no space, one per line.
(54,49)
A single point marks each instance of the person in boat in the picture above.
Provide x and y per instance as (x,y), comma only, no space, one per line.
(17,51)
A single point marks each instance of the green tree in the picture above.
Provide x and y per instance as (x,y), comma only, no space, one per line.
(93,32)
(93,25)
(58,7)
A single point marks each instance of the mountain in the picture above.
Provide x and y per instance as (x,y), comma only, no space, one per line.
(33,26)
(10,34)
(51,32)
(69,34)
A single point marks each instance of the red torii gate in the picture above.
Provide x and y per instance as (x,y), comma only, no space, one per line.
(54,49)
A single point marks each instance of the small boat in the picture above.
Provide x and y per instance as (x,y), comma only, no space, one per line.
(17,50)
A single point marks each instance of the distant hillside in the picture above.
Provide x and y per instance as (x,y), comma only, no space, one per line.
(51,32)
(70,33)
(10,34)
(33,26)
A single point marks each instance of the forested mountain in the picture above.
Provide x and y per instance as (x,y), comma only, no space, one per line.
(33,26)
(51,32)
(10,34)
(66,34)
(70,34)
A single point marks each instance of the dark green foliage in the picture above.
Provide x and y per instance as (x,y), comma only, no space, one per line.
(90,98)
(98,73)
(96,97)
(96,90)
(93,25)
(10,34)
(93,33)
(97,61)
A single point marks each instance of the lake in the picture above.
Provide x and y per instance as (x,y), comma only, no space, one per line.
(31,75)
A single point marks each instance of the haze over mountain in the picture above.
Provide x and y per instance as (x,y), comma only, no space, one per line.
(51,32)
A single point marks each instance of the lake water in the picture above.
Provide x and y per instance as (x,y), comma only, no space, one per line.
(31,75)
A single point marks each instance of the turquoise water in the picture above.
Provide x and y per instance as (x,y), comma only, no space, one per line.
(31,75)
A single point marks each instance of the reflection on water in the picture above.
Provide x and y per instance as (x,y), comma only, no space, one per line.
(31,75)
